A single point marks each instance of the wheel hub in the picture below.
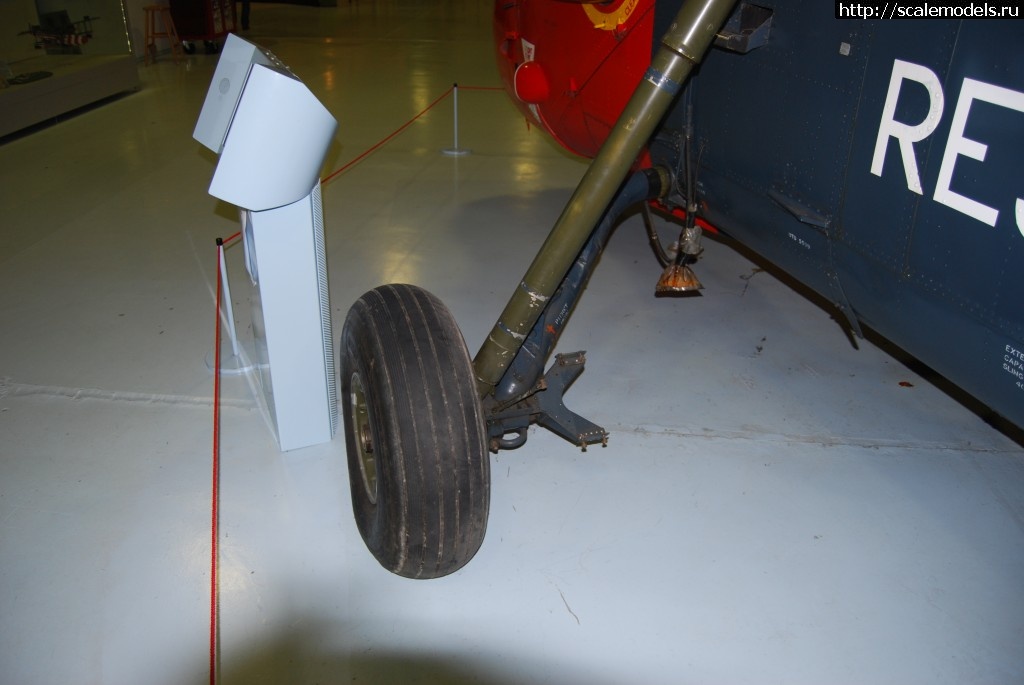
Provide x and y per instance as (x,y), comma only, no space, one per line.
(364,439)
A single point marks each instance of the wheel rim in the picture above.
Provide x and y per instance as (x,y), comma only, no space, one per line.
(363,434)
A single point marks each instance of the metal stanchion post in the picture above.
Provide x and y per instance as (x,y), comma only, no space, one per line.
(455,150)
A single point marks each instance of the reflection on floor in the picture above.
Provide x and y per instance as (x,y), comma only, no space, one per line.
(774,506)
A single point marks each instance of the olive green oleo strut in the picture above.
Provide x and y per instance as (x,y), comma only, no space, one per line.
(682,48)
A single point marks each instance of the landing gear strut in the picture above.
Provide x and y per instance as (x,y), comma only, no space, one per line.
(414,405)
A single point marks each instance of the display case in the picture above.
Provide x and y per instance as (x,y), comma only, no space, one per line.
(59,55)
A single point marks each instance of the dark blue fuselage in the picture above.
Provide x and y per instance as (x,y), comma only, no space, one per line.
(881,163)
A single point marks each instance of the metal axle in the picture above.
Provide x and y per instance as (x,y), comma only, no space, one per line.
(681,49)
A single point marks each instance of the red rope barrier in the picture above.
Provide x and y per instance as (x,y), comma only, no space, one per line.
(401,128)
(392,135)
(215,489)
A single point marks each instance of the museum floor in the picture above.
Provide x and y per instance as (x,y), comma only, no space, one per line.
(773,506)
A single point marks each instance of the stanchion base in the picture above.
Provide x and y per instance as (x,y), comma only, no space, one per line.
(455,151)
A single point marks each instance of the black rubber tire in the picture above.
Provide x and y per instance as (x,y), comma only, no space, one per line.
(413,418)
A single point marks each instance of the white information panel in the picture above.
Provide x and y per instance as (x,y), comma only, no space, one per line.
(272,135)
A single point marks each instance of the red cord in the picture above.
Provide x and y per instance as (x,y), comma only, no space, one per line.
(404,126)
(394,133)
(214,521)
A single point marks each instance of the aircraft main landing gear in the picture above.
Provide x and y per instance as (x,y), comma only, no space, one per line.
(414,404)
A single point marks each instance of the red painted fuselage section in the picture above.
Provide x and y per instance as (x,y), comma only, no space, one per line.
(571,66)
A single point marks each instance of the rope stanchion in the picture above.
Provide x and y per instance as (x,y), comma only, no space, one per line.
(455,150)
(215,476)
(215,489)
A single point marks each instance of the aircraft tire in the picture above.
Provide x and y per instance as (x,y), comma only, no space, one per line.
(418,462)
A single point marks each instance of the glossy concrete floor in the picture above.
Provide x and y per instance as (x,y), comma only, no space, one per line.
(774,506)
